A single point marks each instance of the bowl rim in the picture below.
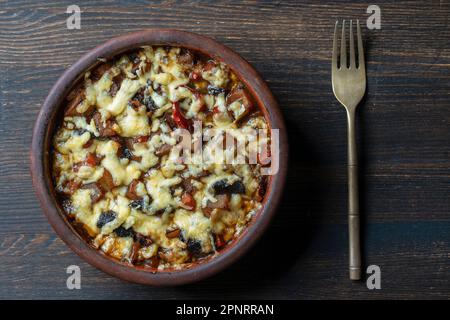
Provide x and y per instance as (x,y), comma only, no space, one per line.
(43,131)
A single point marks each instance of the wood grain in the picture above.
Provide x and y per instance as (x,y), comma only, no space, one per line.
(403,126)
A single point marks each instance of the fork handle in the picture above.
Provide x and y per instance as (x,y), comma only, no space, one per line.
(353,205)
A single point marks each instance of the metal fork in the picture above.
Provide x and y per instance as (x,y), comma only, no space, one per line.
(349,86)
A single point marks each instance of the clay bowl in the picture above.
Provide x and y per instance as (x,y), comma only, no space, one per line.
(51,113)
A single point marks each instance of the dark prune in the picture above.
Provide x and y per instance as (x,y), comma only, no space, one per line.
(237,187)
(222,187)
(134,57)
(122,232)
(215,90)
(194,247)
(149,103)
(126,153)
(137,204)
(105,217)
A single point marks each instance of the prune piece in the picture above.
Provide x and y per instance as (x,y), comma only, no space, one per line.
(237,187)
(222,187)
(149,103)
(126,153)
(137,204)
(122,232)
(194,247)
(134,57)
(105,217)
(215,90)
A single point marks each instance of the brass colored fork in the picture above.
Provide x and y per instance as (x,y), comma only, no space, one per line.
(349,86)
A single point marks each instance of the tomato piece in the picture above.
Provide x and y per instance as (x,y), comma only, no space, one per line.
(188,201)
(91,160)
(179,118)
(72,186)
(195,76)
(219,241)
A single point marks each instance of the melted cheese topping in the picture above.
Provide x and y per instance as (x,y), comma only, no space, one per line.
(115,161)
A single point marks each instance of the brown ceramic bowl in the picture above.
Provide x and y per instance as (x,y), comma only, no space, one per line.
(51,113)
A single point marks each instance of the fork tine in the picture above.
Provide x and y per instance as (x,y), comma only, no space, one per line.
(352,48)
(360,47)
(343,63)
(335,48)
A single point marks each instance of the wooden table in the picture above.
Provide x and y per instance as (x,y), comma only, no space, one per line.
(403,127)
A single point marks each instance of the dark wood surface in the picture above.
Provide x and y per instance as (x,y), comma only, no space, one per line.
(403,136)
